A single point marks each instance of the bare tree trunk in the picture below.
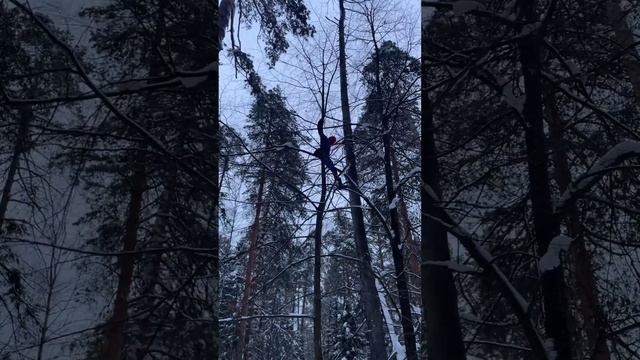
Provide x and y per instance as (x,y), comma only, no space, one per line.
(21,146)
(114,332)
(584,296)
(52,279)
(317,294)
(546,225)
(368,292)
(303,307)
(442,335)
(248,280)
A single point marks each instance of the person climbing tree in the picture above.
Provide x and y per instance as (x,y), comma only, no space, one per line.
(324,152)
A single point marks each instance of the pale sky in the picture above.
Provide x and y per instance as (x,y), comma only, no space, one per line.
(235,99)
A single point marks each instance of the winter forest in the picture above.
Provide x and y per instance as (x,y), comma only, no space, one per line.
(319,179)
(107,209)
(314,265)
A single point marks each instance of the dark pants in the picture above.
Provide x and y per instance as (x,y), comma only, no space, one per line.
(326,160)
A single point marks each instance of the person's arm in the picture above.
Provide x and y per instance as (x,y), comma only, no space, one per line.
(321,128)
(324,141)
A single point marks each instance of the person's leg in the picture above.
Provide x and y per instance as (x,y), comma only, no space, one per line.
(326,159)
(329,164)
(334,171)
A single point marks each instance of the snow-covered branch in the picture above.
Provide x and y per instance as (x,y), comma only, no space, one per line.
(551,259)
(153,140)
(485,260)
(292,316)
(452,265)
(463,7)
(625,150)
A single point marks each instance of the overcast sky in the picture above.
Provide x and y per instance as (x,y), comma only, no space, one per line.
(235,99)
(70,314)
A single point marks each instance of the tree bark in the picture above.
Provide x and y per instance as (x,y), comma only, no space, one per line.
(396,251)
(151,272)
(225,12)
(114,332)
(248,281)
(584,297)
(215,132)
(411,249)
(442,335)
(317,291)
(52,277)
(368,292)
(546,225)
(21,146)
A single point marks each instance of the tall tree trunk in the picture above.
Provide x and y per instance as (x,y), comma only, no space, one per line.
(317,257)
(584,296)
(410,249)
(368,291)
(151,272)
(215,132)
(225,12)
(248,280)
(215,150)
(20,147)
(114,332)
(546,225)
(52,277)
(396,251)
(396,238)
(442,335)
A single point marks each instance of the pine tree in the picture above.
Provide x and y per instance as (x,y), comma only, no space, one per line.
(167,200)
(348,341)
(389,79)
(277,180)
